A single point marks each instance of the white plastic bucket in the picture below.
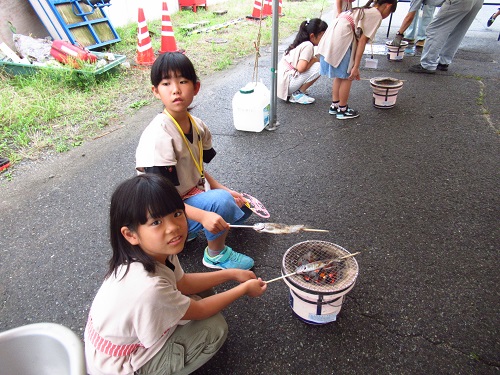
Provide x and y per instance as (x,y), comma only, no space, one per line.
(318,301)
(315,308)
(385,91)
(41,349)
(396,53)
(251,106)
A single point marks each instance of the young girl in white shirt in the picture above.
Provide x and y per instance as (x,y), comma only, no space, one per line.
(342,47)
(298,69)
(148,316)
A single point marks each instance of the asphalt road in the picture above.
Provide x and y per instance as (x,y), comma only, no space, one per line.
(414,188)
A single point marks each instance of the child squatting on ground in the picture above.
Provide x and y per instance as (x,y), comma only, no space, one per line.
(298,69)
(342,47)
(148,317)
(176,145)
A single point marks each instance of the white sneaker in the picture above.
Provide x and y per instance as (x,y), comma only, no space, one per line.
(301,99)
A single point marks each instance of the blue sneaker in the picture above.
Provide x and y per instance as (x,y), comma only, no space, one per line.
(347,114)
(227,259)
(333,110)
(301,98)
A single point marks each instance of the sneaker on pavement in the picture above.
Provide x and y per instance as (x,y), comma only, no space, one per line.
(301,99)
(347,114)
(420,69)
(443,67)
(333,110)
(490,21)
(228,258)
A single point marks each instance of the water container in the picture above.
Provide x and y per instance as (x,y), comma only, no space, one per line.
(251,105)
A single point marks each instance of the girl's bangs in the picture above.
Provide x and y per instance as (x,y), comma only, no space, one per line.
(159,204)
(155,197)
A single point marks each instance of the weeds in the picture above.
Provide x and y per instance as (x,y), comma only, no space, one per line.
(54,111)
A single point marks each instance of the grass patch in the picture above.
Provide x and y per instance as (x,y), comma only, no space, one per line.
(51,112)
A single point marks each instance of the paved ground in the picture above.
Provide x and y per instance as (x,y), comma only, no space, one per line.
(415,188)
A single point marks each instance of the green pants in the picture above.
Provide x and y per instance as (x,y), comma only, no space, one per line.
(190,346)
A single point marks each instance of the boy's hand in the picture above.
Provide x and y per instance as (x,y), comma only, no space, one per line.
(238,198)
(255,288)
(214,223)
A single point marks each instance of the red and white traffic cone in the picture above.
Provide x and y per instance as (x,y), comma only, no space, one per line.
(280,8)
(257,12)
(145,54)
(168,43)
(268,8)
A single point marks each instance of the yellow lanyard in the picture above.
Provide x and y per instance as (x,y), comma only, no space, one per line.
(199,165)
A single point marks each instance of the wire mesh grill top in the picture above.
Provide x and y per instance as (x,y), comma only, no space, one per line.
(336,278)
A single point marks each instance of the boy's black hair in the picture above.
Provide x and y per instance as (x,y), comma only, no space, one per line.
(169,63)
(131,203)
(306,28)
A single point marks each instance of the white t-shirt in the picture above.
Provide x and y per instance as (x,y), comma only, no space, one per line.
(132,317)
(287,64)
(161,144)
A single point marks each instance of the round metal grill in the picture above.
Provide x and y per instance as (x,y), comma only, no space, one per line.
(343,273)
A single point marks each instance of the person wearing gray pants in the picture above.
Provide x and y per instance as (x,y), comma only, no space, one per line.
(445,33)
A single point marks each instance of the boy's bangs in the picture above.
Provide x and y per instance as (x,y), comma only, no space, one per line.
(179,66)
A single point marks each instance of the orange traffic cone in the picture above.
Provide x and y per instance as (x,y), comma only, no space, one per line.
(257,12)
(167,32)
(145,54)
(280,8)
(268,8)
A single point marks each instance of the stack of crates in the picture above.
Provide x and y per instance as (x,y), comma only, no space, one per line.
(81,22)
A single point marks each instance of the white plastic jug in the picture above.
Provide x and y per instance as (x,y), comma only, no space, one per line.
(251,105)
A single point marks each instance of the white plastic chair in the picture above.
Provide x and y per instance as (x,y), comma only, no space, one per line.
(41,349)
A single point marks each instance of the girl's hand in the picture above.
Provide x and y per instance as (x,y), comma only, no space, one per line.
(214,223)
(238,198)
(354,74)
(255,288)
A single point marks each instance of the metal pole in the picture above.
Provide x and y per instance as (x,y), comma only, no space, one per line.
(274,66)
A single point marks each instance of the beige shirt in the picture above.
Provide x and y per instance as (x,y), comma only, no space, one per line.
(161,144)
(340,35)
(131,318)
(346,5)
(287,64)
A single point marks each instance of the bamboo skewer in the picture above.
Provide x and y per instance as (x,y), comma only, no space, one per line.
(327,262)
(261,227)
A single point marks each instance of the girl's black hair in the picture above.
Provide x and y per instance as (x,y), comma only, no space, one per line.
(306,28)
(131,203)
(170,63)
(394,3)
